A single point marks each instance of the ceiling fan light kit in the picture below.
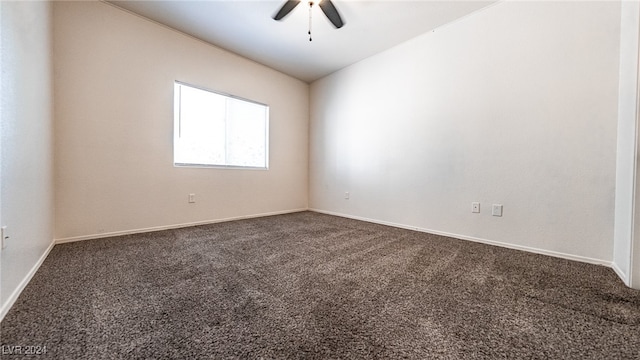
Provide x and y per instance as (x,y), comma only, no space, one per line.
(327,7)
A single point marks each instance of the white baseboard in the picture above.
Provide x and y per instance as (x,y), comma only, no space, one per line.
(174,226)
(474,239)
(16,293)
(23,284)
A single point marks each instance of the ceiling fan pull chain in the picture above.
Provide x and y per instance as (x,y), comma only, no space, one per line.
(310,6)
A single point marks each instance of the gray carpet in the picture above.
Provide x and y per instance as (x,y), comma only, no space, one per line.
(308,285)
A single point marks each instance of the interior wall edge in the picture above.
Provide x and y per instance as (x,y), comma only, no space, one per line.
(621,274)
(627,143)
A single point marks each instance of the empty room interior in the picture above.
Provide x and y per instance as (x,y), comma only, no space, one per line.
(391,179)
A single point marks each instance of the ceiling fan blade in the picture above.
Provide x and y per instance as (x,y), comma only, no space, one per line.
(332,13)
(286,9)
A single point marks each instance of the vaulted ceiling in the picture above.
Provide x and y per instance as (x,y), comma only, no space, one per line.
(247,28)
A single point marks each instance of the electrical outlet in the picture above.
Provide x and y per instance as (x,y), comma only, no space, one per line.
(475,207)
(496,210)
(346,195)
(192,198)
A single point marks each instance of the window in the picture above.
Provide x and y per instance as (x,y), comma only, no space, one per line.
(212,129)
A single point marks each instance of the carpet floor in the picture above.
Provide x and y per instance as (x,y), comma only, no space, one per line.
(308,285)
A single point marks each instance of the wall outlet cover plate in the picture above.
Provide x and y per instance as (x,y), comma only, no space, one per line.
(496,210)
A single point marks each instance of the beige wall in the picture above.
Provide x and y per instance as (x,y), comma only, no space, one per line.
(27,143)
(114,172)
(513,105)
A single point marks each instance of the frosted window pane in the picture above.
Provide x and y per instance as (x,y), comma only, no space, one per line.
(246,133)
(214,129)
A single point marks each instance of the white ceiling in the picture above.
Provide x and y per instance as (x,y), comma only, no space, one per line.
(247,28)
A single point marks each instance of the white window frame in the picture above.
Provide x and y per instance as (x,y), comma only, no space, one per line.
(176,130)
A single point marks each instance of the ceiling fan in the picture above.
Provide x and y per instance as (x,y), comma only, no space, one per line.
(327,8)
